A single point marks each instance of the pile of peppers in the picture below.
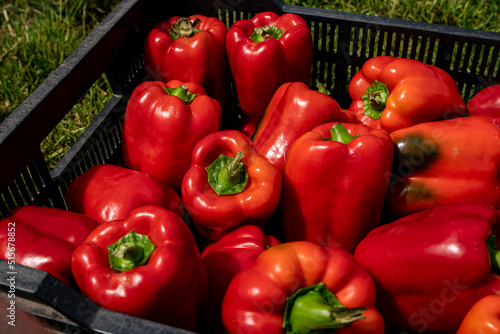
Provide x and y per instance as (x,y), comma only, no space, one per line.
(274,209)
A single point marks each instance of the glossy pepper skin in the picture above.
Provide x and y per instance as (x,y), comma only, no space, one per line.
(248,125)
(107,192)
(483,317)
(161,129)
(176,50)
(255,301)
(44,238)
(294,110)
(415,93)
(235,252)
(347,116)
(333,192)
(445,161)
(486,103)
(169,287)
(431,267)
(214,215)
(260,65)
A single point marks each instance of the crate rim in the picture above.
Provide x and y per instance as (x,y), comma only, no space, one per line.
(395,23)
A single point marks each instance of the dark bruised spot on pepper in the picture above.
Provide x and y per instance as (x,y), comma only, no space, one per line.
(413,152)
(415,192)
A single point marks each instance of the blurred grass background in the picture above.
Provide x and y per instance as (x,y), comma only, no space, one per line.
(37,35)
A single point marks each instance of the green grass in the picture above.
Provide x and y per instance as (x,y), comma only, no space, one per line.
(37,35)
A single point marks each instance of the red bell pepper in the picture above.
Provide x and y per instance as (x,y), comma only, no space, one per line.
(301,287)
(108,192)
(486,103)
(335,180)
(431,267)
(392,93)
(247,125)
(161,126)
(147,266)
(44,238)
(294,110)
(483,317)
(347,116)
(445,161)
(233,253)
(190,49)
(266,52)
(229,184)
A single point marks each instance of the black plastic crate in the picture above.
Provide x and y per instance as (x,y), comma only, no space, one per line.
(342,43)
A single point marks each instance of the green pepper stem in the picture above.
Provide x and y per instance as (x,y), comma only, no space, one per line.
(339,133)
(315,308)
(494,254)
(260,34)
(184,28)
(182,92)
(374,99)
(226,175)
(229,175)
(130,251)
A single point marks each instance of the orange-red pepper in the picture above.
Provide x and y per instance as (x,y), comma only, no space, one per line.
(483,317)
(392,93)
(300,286)
(444,161)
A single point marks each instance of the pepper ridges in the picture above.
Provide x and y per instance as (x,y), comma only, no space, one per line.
(254,203)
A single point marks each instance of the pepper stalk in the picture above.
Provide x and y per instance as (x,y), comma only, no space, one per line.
(226,175)
(130,251)
(339,133)
(184,27)
(314,309)
(182,92)
(374,99)
(494,254)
